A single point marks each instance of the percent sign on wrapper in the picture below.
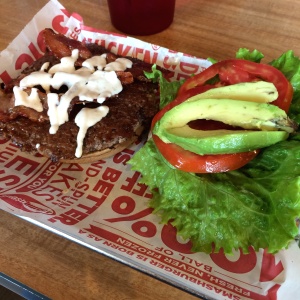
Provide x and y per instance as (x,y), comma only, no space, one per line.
(125,205)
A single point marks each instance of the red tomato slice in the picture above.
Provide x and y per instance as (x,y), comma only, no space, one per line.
(238,70)
(190,162)
(229,72)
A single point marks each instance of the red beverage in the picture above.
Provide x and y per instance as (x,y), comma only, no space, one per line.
(141,17)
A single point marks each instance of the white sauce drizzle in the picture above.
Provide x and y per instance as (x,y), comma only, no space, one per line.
(86,118)
(94,80)
(37,78)
(45,66)
(96,61)
(53,112)
(118,64)
(22,98)
(66,63)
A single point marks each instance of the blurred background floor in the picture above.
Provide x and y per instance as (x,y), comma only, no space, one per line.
(6,294)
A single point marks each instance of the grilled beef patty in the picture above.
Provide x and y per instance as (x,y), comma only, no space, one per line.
(129,111)
(133,107)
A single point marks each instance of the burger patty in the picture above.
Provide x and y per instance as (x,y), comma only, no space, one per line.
(130,111)
(133,107)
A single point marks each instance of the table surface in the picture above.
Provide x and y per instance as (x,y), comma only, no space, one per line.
(61,269)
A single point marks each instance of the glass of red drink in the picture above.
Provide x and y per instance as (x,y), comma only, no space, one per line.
(141,17)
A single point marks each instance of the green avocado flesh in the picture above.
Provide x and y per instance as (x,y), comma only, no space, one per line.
(264,125)
(260,91)
(222,141)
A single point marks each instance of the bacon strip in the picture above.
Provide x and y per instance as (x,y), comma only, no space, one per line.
(6,104)
(62,46)
(8,110)
(125,77)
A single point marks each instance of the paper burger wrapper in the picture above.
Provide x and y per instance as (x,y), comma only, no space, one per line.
(104,207)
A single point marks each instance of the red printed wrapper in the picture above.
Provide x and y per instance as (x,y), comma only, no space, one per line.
(102,206)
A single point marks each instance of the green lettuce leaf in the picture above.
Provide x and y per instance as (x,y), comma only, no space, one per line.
(256,205)
(244,53)
(255,55)
(168,89)
(289,65)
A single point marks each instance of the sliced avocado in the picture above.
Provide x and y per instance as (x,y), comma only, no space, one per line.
(264,121)
(249,115)
(222,141)
(260,91)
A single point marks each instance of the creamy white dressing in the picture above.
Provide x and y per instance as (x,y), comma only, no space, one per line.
(98,62)
(94,80)
(86,118)
(33,100)
(37,78)
(69,79)
(53,112)
(67,64)
(120,64)
(101,85)
(45,66)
